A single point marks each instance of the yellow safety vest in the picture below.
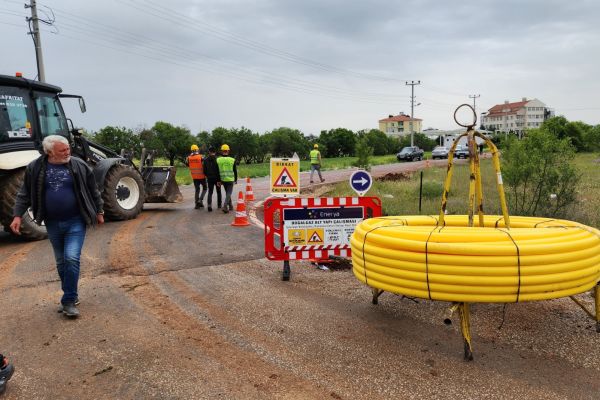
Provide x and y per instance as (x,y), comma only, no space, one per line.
(226,168)
(314,157)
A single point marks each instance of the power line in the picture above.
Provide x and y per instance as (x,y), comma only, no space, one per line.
(125,37)
(198,25)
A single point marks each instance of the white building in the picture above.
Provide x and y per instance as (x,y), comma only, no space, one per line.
(516,117)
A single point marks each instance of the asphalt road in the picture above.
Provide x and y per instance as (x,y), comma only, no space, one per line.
(178,304)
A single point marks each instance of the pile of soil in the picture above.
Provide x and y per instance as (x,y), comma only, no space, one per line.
(396,176)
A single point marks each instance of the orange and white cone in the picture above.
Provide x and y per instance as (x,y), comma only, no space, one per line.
(241,218)
(249,193)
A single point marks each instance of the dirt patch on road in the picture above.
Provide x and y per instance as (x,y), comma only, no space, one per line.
(396,176)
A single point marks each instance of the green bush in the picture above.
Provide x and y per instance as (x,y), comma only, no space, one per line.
(538,174)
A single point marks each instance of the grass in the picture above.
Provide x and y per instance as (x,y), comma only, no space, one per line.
(263,169)
(402,197)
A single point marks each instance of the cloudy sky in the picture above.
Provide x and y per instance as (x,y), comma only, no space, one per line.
(309,64)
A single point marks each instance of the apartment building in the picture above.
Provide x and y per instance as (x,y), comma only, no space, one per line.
(400,125)
(516,117)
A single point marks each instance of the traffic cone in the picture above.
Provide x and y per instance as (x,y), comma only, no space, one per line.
(241,218)
(249,193)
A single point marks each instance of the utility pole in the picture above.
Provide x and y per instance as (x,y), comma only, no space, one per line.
(37,41)
(474,96)
(412,84)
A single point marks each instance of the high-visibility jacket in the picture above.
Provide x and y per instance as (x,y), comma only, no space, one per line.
(195,163)
(226,168)
(314,157)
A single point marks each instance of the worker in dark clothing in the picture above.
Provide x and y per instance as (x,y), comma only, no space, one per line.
(213,177)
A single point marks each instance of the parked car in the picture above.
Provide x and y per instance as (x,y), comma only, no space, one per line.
(439,152)
(410,153)
(461,151)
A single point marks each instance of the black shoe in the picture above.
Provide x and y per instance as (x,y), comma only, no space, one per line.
(201,205)
(6,372)
(225,211)
(311,182)
(70,310)
(60,307)
(209,208)
(197,206)
(322,179)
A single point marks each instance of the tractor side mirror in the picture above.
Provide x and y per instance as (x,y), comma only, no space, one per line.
(82,105)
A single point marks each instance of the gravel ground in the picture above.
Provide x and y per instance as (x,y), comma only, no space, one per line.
(177,304)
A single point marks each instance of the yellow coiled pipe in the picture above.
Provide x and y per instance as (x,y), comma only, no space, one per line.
(536,259)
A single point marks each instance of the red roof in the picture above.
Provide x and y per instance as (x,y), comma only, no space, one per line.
(399,118)
(510,108)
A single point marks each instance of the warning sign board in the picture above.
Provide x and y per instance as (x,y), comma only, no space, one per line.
(314,228)
(285,177)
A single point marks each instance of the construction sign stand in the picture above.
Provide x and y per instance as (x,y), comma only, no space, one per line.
(285,177)
(313,228)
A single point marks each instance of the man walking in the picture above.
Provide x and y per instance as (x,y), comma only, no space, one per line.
(194,161)
(315,163)
(228,173)
(213,177)
(62,192)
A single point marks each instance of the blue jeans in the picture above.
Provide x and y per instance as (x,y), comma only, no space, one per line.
(228,191)
(313,168)
(67,240)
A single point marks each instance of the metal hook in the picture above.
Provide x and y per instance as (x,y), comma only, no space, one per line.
(474,116)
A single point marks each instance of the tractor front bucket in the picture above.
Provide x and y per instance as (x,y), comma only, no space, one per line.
(160,185)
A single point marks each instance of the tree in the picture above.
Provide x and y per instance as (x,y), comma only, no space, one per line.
(538,174)
(284,142)
(220,136)
(339,142)
(242,143)
(203,141)
(562,128)
(175,141)
(117,138)
(364,153)
(378,141)
(592,139)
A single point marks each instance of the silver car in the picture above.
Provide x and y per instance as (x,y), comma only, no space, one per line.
(439,152)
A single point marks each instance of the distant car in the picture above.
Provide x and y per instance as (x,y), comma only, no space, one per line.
(410,153)
(439,152)
(461,151)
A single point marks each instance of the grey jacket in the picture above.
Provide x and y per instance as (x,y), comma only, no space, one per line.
(31,193)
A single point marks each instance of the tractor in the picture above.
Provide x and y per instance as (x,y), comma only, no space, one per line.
(31,110)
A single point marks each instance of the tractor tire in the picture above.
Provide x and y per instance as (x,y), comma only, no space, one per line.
(123,193)
(9,187)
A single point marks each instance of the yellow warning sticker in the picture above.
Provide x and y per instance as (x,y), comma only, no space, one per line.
(315,236)
(296,237)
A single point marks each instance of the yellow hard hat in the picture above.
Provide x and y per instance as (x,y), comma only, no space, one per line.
(316,146)
(225,148)
(194,147)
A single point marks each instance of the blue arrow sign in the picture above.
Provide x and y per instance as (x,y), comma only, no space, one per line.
(360,182)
